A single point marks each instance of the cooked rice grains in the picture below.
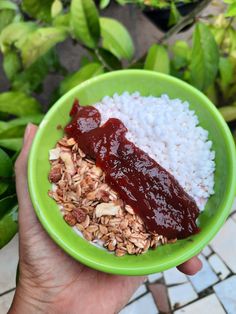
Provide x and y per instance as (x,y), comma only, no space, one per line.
(168,131)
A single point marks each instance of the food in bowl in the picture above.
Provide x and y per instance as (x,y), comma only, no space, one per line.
(112,204)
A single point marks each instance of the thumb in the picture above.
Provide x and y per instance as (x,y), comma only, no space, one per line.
(25,206)
(29,135)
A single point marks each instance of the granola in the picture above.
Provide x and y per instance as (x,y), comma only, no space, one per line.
(90,205)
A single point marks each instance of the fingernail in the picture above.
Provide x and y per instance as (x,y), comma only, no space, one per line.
(27,132)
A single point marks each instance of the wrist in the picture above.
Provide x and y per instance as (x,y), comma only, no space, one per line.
(30,300)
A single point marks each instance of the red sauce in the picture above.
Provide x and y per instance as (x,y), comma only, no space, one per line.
(83,120)
(153,193)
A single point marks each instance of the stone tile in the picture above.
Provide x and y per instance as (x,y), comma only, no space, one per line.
(154,277)
(9,260)
(173,276)
(145,304)
(141,290)
(234,217)
(218,266)
(5,302)
(226,292)
(181,295)
(224,244)
(209,304)
(159,293)
(233,209)
(207,251)
(205,278)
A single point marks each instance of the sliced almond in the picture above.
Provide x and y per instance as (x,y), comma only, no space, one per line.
(54,153)
(67,159)
(106,209)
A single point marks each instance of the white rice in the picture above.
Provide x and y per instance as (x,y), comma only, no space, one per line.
(168,131)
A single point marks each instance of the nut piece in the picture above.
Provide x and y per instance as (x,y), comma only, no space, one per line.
(54,153)
(106,209)
(129,209)
(71,141)
(70,219)
(120,252)
(97,171)
(55,174)
(79,214)
(67,159)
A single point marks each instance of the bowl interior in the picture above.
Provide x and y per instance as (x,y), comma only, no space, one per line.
(147,83)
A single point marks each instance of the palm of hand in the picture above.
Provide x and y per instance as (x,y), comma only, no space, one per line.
(44,265)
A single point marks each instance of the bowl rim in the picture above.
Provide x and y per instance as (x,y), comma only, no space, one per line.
(145,269)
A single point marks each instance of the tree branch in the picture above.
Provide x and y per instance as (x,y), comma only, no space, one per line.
(184,21)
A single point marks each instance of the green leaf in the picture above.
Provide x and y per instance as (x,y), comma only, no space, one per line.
(8,226)
(86,72)
(205,57)
(6,203)
(40,10)
(15,34)
(40,42)
(13,131)
(35,119)
(56,8)
(5,4)
(231,10)
(85,22)
(174,15)
(103,4)
(212,93)
(31,78)
(3,186)
(116,38)
(16,128)
(232,40)
(226,72)
(18,104)
(5,170)
(84,61)
(11,64)
(15,156)
(181,54)
(62,21)
(109,61)
(3,125)
(5,165)
(13,144)
(6,17)
(229,113)
(136,65)
(157,59)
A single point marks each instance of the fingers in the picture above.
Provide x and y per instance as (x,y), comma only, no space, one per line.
(25,207)
(191,267)
(128,285)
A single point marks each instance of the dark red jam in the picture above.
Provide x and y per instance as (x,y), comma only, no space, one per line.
(153,193)
(83,119)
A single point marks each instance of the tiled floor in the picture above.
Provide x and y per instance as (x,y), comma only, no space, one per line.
(8,262)
(211,290)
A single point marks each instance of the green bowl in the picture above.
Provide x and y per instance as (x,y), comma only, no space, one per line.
(164,257)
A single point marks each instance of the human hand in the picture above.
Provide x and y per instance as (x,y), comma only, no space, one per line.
(50,281)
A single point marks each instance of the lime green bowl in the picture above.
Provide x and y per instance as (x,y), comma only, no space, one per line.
(164,257)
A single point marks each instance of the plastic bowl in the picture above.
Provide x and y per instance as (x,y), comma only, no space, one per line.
(164,257)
